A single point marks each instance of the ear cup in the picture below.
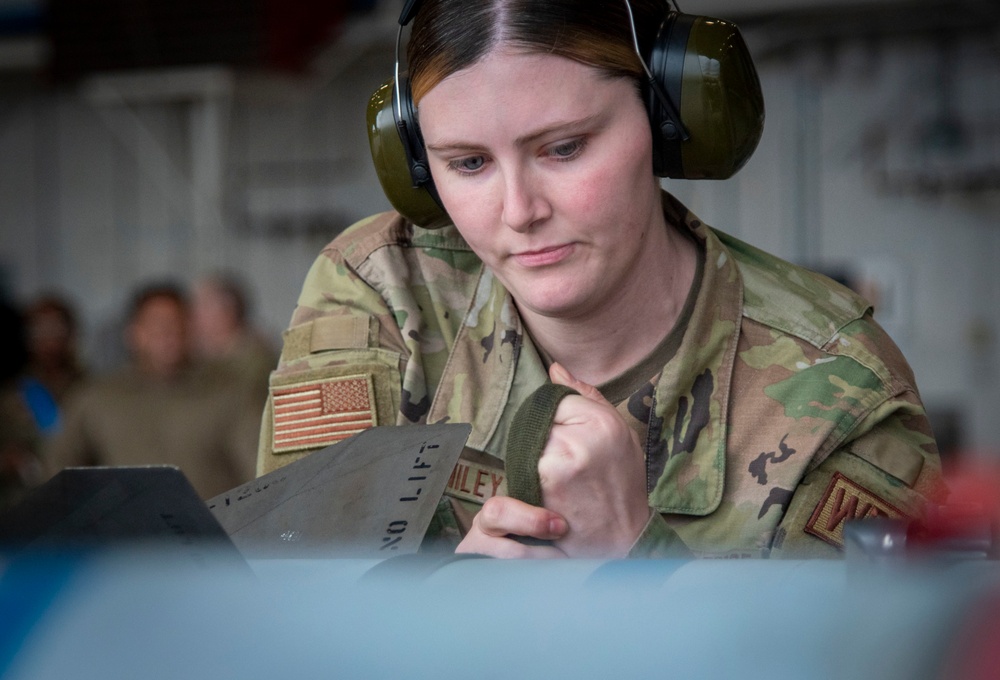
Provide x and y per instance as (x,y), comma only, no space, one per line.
(705,68)
(399,157)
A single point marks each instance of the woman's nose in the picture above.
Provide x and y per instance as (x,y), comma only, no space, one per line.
(524,201)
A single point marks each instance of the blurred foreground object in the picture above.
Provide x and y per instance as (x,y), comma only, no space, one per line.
(371,495)
(170,609)
(83,509)
(154,615)
(965,527)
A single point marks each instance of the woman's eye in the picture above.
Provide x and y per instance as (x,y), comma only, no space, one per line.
(469,164)
(566,150)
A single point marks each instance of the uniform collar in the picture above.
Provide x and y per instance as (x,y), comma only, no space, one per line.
(687,431)
(478,375)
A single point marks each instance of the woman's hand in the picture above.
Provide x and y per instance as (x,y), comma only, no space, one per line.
(593,479)
(502,519)
(593,474)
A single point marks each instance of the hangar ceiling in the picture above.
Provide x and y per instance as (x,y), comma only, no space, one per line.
(61,40)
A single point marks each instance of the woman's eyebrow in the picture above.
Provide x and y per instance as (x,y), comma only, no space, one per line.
(524,140)
(556,128)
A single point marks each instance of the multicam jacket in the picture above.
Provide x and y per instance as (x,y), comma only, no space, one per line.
(785,412)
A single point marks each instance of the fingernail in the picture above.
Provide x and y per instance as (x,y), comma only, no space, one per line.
(558,526)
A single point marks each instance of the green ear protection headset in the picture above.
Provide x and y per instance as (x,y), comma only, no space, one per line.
(702,96)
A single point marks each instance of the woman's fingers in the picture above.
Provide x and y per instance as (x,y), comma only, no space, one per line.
(560,376)
(502,520)
(592,473)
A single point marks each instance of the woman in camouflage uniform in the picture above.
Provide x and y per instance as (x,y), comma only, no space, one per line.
(728,399)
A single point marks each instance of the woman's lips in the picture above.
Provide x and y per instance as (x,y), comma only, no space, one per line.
(543,256)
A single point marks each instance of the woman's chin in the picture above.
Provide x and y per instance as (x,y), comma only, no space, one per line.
(552,306)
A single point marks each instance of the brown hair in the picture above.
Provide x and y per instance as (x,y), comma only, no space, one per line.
(153,291)
(450,35)
(56,304)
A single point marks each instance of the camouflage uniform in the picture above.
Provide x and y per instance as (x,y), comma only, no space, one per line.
(785,410)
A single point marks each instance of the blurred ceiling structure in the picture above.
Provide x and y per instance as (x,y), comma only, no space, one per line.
(59,41)
(775,25)
(147,49)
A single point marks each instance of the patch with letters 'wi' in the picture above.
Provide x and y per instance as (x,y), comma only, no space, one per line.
(318,413)
(846,500)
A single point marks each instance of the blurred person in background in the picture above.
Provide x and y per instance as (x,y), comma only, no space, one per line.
(224,337)
(162,407)
(20,468)
(54,368)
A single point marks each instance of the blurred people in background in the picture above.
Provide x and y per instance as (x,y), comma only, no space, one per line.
(163,407)
(223,335)
(54,367)
(20,468)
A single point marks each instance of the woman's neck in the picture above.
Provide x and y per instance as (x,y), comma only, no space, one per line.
(609,340)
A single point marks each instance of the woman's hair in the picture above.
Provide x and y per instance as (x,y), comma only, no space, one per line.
(450,35)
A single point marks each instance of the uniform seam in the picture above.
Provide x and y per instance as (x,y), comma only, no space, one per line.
(843,434)
(359,248)
(839,316)
(889,381)
(802,332)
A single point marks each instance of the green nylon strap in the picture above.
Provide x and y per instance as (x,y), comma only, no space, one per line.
(526,439)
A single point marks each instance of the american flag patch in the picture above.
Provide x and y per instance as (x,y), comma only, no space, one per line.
(321,412)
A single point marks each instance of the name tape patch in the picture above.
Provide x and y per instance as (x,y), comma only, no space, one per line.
(318,413)
(474,482)
(846,500)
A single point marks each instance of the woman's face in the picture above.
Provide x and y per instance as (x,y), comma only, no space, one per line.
(544,164)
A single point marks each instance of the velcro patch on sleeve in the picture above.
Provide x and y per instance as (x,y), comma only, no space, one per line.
(846,500)
(340,332)
(317,413)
